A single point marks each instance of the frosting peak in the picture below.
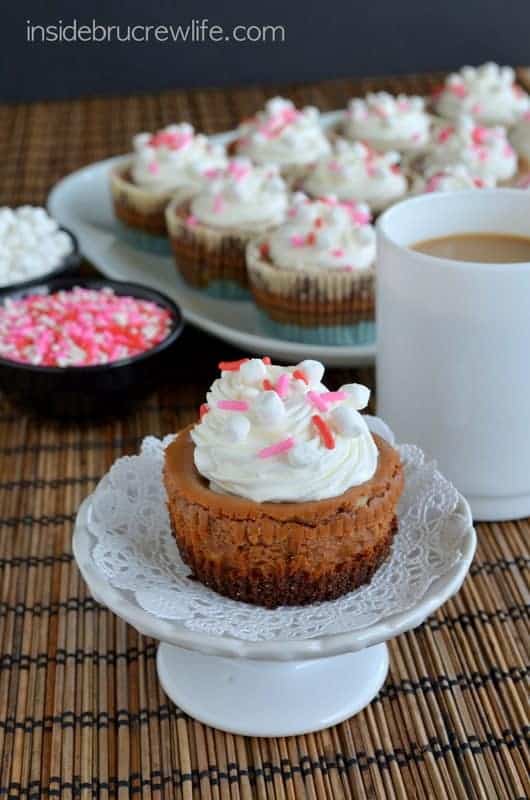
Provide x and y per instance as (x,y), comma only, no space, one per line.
(242,195)
(175,157)
(354,170)
(323,234)
(283,134)
(486,152)
(487,93)
(276,434)
(387,122)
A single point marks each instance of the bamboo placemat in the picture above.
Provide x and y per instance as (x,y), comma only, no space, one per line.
(81,710)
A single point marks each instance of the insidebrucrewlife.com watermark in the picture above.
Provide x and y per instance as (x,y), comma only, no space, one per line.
(196,31)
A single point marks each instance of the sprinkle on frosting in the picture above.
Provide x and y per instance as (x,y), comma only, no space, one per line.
(387,122)
(453,178)
(174,159)
(487,93)
(242,196)
(356,171)
(486,152)
(282,134)
(79,327)
(261,438)
(323,234)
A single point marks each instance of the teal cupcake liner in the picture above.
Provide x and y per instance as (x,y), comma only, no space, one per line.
(362,333)
(226,290)
(146,242)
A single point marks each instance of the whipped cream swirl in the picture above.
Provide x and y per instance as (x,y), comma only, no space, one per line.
(323,234)
(355,171)
(453,178)
(259,437)
(486,152)
(387,122)
(242,196)
(282,134)
(174,158)
(487,93)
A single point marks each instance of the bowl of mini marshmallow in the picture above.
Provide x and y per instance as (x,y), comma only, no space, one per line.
(34,247)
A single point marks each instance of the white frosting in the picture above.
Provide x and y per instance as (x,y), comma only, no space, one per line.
(487,93)
(174,158)
(228,443)
(31,244)
(355,171)
(387,122)
(453,178)
(242,195)
(520,136)
(322,235)
(486,152)
(282,134)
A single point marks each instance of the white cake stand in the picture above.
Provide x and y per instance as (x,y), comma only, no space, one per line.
(270,688)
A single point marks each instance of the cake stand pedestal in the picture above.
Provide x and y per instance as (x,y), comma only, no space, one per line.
(271,698)
(274,687)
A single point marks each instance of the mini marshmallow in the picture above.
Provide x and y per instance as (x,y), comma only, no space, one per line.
(358,394)
(313,370)
(32,244)
(252,371)
(346,421)
(237,427)
(269,409)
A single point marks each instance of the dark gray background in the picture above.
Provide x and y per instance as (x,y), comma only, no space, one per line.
(325,39)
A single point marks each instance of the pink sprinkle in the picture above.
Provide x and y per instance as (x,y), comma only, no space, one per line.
(508,151)
(346,268)
(333,397)
(526,115)
(153,168)
(334,166)
(292,212)
(79,327)
(218,203)
(276,449)
(297,240)
(191,220)
(232,405)
(459,90)
(282,385)
(212,172)
(480,134)
(237,170)
(444,134)
(317,400)
(338,252)
(433,183)
(416,137)
(360,217)
(476,109)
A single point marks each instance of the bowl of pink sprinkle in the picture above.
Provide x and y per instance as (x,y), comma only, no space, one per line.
(75,348)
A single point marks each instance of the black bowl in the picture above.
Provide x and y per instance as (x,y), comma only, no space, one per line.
(68,266)
(95,391)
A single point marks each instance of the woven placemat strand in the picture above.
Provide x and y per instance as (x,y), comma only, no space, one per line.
(81,710)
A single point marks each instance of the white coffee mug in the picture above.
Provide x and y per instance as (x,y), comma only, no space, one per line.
(453,346)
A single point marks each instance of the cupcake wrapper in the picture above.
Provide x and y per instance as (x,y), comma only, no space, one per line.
(361,334)
(139,208)
(312,301)
(204,256)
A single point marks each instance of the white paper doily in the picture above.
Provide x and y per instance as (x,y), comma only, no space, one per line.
(135,550)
